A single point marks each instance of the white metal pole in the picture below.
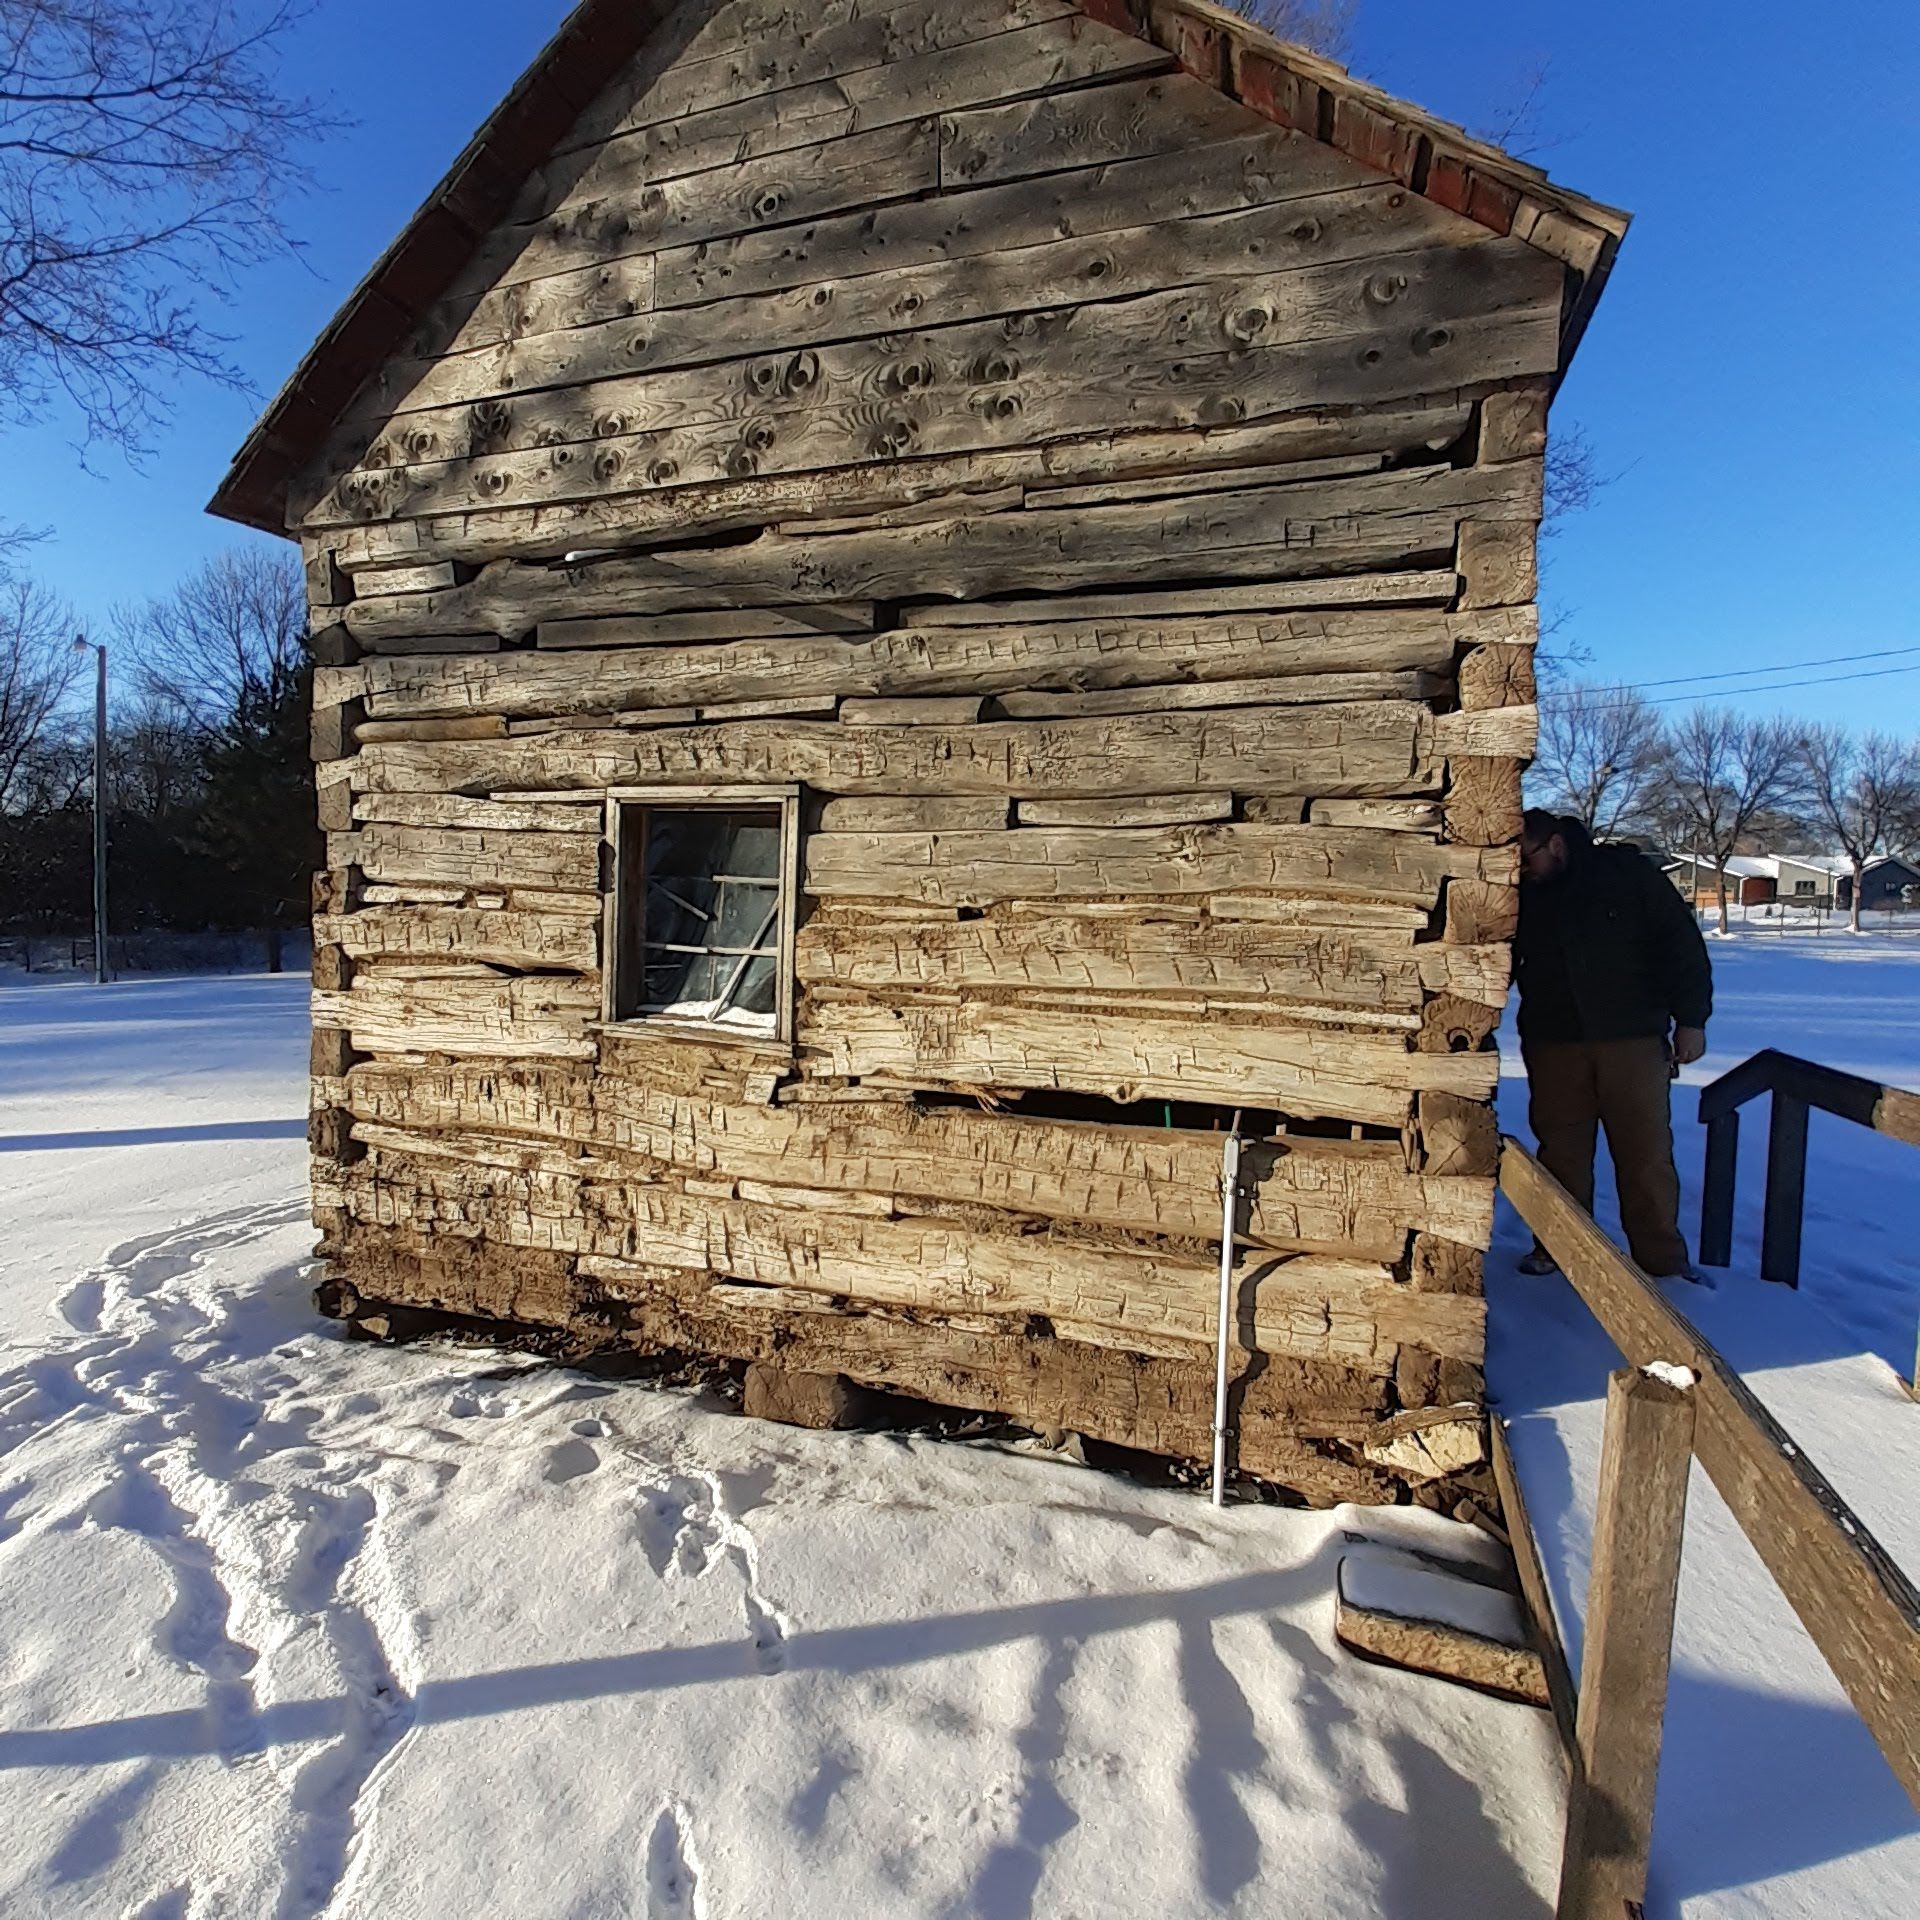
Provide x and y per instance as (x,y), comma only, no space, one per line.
(1229,1224)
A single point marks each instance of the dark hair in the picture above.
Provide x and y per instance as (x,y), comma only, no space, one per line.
(1538,825)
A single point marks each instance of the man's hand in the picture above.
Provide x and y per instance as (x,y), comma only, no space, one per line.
(1689,1043)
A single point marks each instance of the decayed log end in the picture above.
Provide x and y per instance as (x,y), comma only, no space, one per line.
(1120,644)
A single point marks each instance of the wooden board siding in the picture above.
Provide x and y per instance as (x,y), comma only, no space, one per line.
(1114,513)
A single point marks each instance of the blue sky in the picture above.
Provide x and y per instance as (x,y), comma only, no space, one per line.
(1750,379)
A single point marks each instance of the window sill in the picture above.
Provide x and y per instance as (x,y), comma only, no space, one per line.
(769,1047)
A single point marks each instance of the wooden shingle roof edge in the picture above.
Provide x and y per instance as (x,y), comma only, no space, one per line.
(1286,84)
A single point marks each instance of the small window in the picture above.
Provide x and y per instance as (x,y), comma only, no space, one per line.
(702,911)
(1803,886)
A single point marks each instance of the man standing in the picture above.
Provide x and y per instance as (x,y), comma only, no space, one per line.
(1615,987)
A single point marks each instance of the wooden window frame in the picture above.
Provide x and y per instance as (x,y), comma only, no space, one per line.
(621,801)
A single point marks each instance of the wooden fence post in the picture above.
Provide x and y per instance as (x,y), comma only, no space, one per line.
(1638,1528)
(1716,1194)
(1786,1189)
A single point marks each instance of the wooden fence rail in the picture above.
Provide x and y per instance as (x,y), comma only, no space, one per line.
(1861,1611)
(1796,1086)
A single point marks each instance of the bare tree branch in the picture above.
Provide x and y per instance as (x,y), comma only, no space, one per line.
(145,147)
(1721,772)
(1518,125)
(231,633)
(1600,755)
(37,666)
(1325,26)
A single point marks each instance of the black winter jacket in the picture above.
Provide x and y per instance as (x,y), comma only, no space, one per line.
(1609,951)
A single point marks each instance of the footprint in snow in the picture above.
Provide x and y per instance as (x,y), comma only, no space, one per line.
(80,1305)
(673,1874)
(470,1405)
(589,1429)
(569,1461)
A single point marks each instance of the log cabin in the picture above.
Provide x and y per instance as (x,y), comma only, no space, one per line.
(918,608)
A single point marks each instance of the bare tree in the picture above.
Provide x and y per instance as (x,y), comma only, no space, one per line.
(1323,26)
(37,666)
(1720,772)
(1600,755)
(1860,788)
(1903,832)
(230,634)
(145,146)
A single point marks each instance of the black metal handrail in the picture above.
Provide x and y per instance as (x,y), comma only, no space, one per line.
(1797,1086)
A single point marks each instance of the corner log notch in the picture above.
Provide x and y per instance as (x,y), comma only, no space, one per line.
(1105,661)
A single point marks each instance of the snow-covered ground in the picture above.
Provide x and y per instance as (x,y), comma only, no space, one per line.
(291,1627)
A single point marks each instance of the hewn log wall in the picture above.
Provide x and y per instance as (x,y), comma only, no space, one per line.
(1117,514)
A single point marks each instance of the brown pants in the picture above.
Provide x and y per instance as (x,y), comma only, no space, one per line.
(1623,1085)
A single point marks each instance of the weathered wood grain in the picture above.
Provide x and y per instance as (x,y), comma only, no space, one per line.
(524,1017)
(496,936)
(744,53)
(1306,1306)
(581,814)
(477,535)
(1052,53)
(567,862)
(915,662)
(1261,169)
(933,814)
(1367,749)
(1091,126)
(1038,863)
(607,214)
(1417,589)
(1124,1056)
(1483,801)
(1313,1195)
(1365,524)
(1147,953)
(1267,345)
(726,623)
(523,339)
(1304,689)
(1149,810)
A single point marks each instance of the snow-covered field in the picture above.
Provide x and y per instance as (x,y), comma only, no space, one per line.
(291,1627)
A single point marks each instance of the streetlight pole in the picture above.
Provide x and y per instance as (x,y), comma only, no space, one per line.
(100,970)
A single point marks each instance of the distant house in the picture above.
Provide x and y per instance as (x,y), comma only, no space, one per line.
(1884,883)
(1752,879)
(1812,880)
(1808,879)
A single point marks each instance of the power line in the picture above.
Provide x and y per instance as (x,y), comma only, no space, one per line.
(1629,691)
(1783,666)
(1784,686)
